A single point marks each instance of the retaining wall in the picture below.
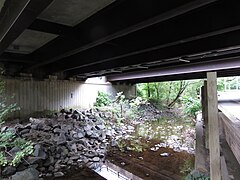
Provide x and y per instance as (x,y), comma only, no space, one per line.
(37,96)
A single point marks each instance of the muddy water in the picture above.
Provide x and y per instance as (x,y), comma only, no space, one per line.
(176,135)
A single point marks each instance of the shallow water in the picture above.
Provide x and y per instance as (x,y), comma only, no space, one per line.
(177,135)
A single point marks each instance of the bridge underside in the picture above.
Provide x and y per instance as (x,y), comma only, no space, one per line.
(125,40)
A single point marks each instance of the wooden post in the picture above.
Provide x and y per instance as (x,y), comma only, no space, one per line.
(214,147)
(205,112)
(200,153)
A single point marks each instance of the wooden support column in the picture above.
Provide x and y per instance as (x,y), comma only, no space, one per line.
(214,147)
(205,100)
(200,153)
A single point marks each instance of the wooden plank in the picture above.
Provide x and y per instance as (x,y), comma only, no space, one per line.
(214,147)
(232,134)
(200,152)
(224,171)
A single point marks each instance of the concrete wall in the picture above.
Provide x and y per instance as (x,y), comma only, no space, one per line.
(36,96)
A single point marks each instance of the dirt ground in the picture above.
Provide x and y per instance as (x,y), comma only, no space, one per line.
(150,164)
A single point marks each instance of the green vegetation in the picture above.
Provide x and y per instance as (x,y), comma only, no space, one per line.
(173,93)
(191,105)
(8,139)
(120,108)
(187,167)
(196,175)
(102,99)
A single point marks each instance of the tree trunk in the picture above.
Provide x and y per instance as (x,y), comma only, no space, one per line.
(148,89)
(157,90)
(169,92)
(182,87)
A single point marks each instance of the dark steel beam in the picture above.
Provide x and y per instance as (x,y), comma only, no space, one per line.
(160,18)
(189,76)
(15,58)
(197,24)
(51,27)
(217,65)
(16,16)
(194,45)
(187,40)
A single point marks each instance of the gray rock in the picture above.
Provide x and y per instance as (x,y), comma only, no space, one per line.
(74,147)
(48,174)
(89,133)
(96,159)
(74,157)
(8,171)
(113,143)
(61,139)
(39,152)
(57,130)
(91,154)
(42,169)
(64,151)
(109,133)
(47,128)
(14,150)
(100,127)
(87,128)
(70,162)
(51,168)
(28,174)
(34,126)
(24,131)
(33,160)
(3,129)
(58,174)
(49,161)
(21,167)
(80,135)
(130,127)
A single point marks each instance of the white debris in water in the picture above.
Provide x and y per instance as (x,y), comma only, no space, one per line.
(164,154)
(154,148)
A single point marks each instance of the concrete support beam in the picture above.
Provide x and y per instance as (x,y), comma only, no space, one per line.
(214,146)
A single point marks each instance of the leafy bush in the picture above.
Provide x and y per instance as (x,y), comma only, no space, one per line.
(187,167)
(102,99)
(191,105)
(8,139)
(197,175)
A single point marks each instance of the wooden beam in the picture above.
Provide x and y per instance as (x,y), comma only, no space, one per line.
(224,170)
(16,16)
(214,147)
(232,133)
(200,154)
(157,19)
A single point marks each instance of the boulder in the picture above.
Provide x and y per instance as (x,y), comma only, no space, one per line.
(58,174)
(100,127)
(96,159)
(8,171)
(49,161)
(28,174)
(61,139)
(39,152)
